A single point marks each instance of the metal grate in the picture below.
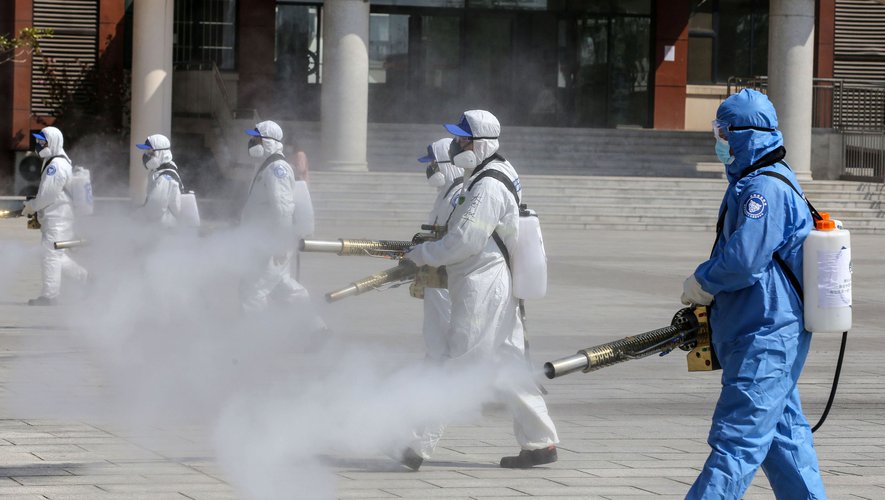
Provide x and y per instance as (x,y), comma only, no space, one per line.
(69,55)
(205,33)
(859,51)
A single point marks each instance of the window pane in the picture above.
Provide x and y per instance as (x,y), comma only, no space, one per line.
(743,38)
(701,16)
(296,50)
(388,48)
(440,38)
(700,59)
(509,4)
(453,4)
(204,32)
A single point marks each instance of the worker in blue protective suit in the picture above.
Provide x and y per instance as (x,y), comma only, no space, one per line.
(753,280)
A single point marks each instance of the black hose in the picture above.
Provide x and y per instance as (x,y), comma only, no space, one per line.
(823,417)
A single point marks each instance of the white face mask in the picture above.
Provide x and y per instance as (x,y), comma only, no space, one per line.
(45,153)
(437,180)
(256,151)
(153,161)
(467,161)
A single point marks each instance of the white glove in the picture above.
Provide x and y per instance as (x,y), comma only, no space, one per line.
(693,294)
(28,210)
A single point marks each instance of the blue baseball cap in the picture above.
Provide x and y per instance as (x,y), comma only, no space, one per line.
(146,145)
(462,129)
(253,132)
(39,136)
(429,156)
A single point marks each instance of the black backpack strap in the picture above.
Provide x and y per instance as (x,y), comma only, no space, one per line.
(501,176)
(814,213)
(173,172)
(270,159)
(791,276)
(457,182)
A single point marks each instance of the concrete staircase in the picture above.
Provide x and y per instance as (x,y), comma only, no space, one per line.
(562,151)
(579,202)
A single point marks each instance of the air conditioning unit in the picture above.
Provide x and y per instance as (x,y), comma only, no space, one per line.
(27,173)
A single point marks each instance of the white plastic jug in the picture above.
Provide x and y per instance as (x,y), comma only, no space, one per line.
(827,278)
(529,260)
(303,215)
(81,191)
(190,213)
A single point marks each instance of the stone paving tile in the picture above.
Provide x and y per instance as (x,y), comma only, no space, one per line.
(512,482)
(498,472)
(659,472)
(456,492)
(93,480)
(656,485)
(49,490)
(404,482)
(117,496)
(165,487)
(602,490)
(364,493)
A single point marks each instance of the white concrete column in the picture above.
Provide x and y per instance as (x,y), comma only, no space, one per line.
(151,82)
(345,93)
(790,73)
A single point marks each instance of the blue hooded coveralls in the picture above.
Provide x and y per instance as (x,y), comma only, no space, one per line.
(756,317)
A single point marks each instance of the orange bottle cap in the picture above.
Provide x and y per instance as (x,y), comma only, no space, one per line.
(825,225)
(824,215)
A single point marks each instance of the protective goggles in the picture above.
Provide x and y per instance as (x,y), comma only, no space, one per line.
(722,130)
(40,141)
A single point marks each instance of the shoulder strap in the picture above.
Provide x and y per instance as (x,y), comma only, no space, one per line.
(173,172)
(500,176)
(791,276)
(270,159)
(457,182)
(49,161)
(814,213)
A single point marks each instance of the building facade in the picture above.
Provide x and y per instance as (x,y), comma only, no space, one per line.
(537,63)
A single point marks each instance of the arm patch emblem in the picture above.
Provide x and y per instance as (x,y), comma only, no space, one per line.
(756,206)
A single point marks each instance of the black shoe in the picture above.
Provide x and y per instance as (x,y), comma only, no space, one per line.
(42,301)
(411,459)
(530,458)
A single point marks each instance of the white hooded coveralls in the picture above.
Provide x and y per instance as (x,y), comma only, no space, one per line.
(485,325)
(163,201)
(269,210)
(437,308)
(56,215)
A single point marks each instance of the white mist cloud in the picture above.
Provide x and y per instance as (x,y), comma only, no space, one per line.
(160,341)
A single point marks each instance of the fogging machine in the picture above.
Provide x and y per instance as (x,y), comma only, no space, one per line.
(689,331)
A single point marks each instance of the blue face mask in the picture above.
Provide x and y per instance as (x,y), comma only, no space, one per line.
(723,151)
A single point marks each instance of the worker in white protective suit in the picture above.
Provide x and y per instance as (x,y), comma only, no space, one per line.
(485,327)
(269,211)
(448,180)
(54,209)
(163,202)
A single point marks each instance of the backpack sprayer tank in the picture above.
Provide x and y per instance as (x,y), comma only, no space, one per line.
(827,277)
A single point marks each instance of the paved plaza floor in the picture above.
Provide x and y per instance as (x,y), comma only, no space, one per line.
(89,415)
